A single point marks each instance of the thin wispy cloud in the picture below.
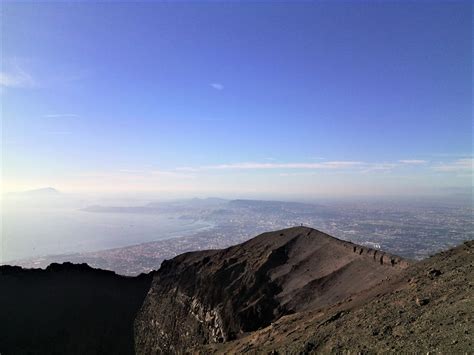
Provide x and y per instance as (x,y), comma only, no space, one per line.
(267,166)
(186,169)
(61,115)
(359,166)
(288,169)
(16,78)
(217,86)
(452,155)
(131,171)
(253,166)
(412,161)
(459,165)
(317,158)
(172,174)
(26,73)
(382,167)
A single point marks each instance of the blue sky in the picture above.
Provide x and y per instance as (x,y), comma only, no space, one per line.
(269,98)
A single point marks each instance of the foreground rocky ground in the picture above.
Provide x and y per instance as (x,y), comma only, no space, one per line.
(427,308)
(294,291)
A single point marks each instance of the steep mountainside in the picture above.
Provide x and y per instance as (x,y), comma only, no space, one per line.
(294,291)
(219,295)
(68,309)
(428,308)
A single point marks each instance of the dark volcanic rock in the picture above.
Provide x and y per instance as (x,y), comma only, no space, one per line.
(216,296)
(429,315)
(68,309)
(291,291)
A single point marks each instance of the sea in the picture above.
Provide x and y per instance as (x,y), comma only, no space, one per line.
(32,232)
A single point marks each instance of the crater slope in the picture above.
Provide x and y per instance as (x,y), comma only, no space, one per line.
(428,308)
(68,309)
(215,296)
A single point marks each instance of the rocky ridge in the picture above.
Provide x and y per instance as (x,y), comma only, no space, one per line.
(427,308)
(217,296)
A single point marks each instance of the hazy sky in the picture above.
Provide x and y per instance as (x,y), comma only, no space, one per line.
(230,98)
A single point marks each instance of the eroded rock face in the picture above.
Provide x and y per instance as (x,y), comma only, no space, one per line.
(427,308)
(215,296)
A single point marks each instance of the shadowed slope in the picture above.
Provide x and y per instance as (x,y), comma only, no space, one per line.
(68,309)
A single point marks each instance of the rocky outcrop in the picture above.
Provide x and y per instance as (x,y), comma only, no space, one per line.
(379,256)
(217,296)
(427,308)
(68,309)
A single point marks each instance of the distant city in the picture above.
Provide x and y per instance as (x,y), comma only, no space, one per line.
(411,230)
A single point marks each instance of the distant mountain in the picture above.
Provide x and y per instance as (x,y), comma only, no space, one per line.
(298,209)
(208,201)
(268,204)
(121,209)
(295,291)
(214,204)
(192,202)
(161,207)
